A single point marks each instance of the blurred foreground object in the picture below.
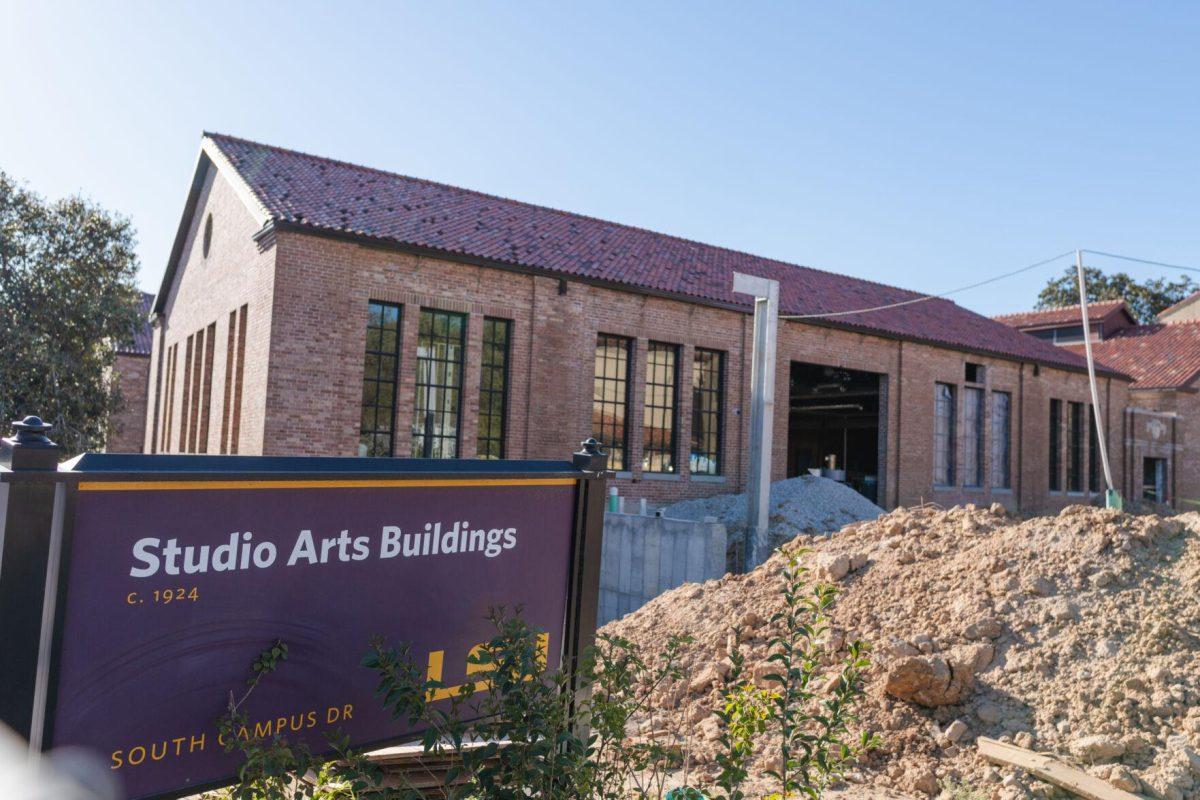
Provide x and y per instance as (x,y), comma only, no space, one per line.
(66,774)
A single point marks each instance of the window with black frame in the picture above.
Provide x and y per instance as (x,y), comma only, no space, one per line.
(1093,456)
(610,397)
(1055,455)
(381,363)
(1075,433)
(658,418)
(708,404)
(493,388)
(439,384)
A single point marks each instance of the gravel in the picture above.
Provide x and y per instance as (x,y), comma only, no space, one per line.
(807,504)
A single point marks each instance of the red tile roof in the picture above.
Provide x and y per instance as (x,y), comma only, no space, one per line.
(1158,356)
(143,337)
(323,195)
(1064,315)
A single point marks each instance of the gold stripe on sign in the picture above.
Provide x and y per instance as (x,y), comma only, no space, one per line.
(151,486)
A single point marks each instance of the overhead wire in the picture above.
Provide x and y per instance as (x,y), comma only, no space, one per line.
(1142,260)
(926,297)
(985,282)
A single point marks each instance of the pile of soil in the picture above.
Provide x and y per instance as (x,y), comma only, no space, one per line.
(1076,634)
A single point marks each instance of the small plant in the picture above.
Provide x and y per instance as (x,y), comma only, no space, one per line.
(812,713)
(621,683)
(961,790)
(744,714)
(815,741)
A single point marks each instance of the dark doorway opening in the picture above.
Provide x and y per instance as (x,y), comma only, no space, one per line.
(1154,480)
(833,426)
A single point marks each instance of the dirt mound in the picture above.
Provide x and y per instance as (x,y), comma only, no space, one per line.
(1076,633)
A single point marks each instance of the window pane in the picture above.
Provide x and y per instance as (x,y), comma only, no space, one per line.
(439,382)
(610,391)
(380,362)
(1001,440)
(944,435)
(973,437)
(708,405)
(1055,459)
(1075,433)
(658,417)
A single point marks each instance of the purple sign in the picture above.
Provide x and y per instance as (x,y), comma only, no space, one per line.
(174,587)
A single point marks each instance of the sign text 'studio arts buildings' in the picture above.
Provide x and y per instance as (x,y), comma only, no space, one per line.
(314,306)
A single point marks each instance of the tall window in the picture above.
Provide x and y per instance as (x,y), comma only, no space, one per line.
(439,384)
(1093,453)
(943,435)
(1001,440)
(658,418)
(376,432)
(973,437)
(1075,448)
(1055,458)
(610,397)
(493,388)
(708,402)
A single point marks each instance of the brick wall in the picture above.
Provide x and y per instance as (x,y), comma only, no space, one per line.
(131,375)
(322,291)
(1160,424)
(237,272)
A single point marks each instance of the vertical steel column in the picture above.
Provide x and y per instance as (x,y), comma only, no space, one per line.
(757,544)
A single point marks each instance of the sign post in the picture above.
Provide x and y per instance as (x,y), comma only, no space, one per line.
(165,576)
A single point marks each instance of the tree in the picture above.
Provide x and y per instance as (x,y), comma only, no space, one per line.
(67,299)
(1145,299)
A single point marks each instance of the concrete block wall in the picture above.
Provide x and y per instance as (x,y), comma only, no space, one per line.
(644,556)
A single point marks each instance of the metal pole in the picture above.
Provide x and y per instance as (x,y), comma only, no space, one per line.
(762,413)
(1112,499)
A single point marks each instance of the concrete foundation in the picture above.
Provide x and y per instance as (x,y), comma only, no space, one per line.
(644,556)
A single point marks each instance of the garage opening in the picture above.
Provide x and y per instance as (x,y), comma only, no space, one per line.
(834,423)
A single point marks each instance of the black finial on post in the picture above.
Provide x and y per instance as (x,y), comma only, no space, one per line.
(591,458)
(29,447)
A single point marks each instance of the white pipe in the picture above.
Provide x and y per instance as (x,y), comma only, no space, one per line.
(1091,363)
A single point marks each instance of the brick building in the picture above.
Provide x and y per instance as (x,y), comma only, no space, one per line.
(1160,426)
(314,306)
(131,376)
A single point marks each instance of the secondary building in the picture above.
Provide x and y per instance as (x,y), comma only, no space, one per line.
(315,306)
(1160,426)
(131,379)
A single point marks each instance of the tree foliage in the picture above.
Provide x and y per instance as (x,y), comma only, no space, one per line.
(1145,299)
(67,299)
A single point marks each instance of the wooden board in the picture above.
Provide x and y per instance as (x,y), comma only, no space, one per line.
(1049,768)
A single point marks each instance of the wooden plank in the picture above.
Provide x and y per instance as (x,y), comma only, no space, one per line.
(1049,768)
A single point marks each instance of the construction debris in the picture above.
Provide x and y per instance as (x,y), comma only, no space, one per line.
(1051,769)
(806,504)
(1076,633)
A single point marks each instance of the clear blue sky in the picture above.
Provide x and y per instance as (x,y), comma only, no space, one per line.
(918,144)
